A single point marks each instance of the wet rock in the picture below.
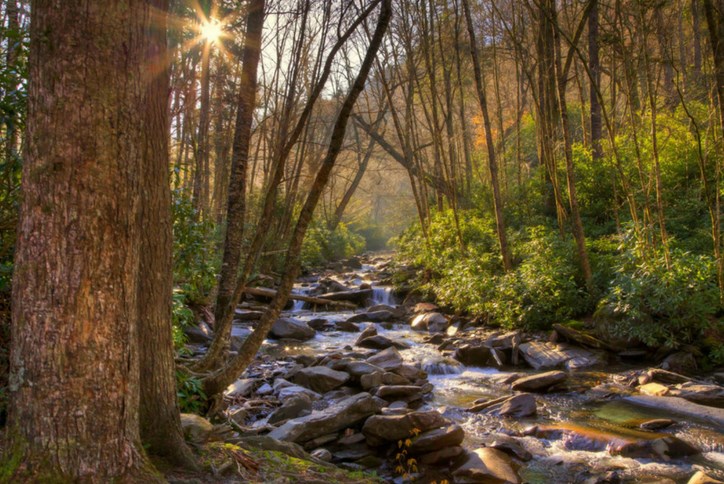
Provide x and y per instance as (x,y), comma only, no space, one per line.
(475,355)
(442,456)
(291,328)
(196,429)
(322,454)
(397,312)
(666,448)
(682,407)
(368,332)
(389,378)
(411,373)
(357,369)
(431,322)
(680,362)
(351,439)
(358,297)
(371,380)
(293,390)
(654,389)
(293,407)
(390,428)
(347,327)
(334,418)
(265,389)
(581,359)
(399,392)
(511,447)
(701,478)
(321,440)
(517,406)
(656,424)
(450,436)
(320,378)
(710,395)
(381,316)
(320,324)
(388,359)
(539,382)
(379,342)
(487,465)
(199,334)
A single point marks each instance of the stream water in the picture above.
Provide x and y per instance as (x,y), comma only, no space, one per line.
(563,459)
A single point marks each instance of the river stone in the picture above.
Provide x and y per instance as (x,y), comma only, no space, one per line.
(449,436)
(510,446)
(654,389)
(292,407)
(518,406)
(399,392)
(539,382)
(430,322)
(389,378)
(396,311)
(680,362)
(291,328)
(379,342)
(199,334)
(320,378)
(293,390)
(334,418)
(320,324)
(359,368)
(487,465)
(371,380)
(322,454)
(240,388)
(710,395)
(540,354)
(347,327)
(666,448)
(442,456)
(475,355)
(368,332)
(410,372)
(381,316)
(391,428)
(196,429)
(388,359)
(701,478)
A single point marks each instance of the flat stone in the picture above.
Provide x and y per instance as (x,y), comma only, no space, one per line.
(388,359)
(336,417)
(395,392)
(371,380)
(431,440)
(654,389)
(394,427)
(381,316)
(320,378)
(518,406)
(487,465)
(358,368)
(293,390)
(543,355)
(539,382)
(292,407)
(379,342)
(442,456)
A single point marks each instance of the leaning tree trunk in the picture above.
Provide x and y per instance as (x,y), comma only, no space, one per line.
(216,382)
(74,383)
(159,412)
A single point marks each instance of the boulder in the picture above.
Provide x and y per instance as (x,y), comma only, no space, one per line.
(381,316)
(518,406)
(390,428)
(679,406)
(399,392)
(320,324)
(443,456)
(379,342)
(487,465)
(369,331)
(449,436)
(665,448)
(339,416)
(541,355)
(371,380)
(357,369)
(475,355)
(196,429)
(320,378)
(389,359)
(293,407)
(540,382)
(291,328)
(347,327)
(431,322)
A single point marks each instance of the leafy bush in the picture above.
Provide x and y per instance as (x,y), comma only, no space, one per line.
(661,306)
(322,245)
(191,396)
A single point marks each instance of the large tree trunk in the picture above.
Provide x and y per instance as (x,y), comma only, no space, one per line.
(220,380)
(74,384)
(492,162)
(159,412)
(236,207)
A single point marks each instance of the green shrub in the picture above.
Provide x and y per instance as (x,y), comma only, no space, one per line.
(322,245)
(661,306)
(191,396)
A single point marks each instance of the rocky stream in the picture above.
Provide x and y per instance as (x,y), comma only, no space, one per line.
(414,394)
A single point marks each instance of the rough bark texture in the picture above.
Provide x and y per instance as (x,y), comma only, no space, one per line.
(159,412)
(236,208)
(74,386)
(492,162)
(595,68)
(217,382)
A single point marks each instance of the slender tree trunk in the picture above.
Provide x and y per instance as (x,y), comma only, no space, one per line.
(236,209)
(492,162)
(74,384)
(159,412)
(220,380)
(595,68)
(201,173)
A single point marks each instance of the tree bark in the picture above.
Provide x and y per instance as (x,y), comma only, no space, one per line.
(74,384)
(220,380)
(159,411)
(595,83)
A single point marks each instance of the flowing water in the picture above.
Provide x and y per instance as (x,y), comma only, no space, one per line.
(568,458)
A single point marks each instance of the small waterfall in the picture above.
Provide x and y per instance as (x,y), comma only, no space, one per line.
(383,295)
(299,305)
(445,366)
